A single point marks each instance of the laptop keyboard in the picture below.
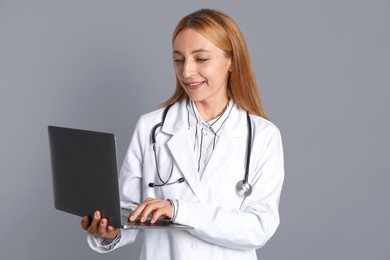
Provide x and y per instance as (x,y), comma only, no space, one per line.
(125,212)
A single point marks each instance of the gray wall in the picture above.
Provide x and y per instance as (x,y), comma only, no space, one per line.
(323,71)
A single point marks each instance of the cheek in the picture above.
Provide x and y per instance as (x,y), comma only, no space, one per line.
(220,76)
(218,73)
(177,71)
(206,72)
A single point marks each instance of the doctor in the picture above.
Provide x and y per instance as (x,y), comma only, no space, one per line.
(209,158)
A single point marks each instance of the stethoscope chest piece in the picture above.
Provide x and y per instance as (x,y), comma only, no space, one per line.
(243,189)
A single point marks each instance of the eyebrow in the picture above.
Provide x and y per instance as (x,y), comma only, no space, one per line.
(194,51)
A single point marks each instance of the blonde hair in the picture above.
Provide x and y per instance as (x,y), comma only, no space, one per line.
(223,32)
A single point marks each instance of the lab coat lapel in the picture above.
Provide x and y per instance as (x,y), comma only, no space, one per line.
(180,146)
(233,134)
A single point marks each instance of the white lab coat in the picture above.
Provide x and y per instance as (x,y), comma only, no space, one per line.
(226,226)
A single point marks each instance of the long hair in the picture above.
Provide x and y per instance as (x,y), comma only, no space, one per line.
(224,33)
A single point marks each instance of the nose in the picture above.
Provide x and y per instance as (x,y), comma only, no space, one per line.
(189,68)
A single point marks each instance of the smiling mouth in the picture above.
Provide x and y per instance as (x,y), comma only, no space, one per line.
(194,85)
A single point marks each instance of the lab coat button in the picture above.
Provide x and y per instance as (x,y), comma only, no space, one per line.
(194,246)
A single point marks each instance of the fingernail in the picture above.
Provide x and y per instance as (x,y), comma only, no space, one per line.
(142,219)
(97,214)
(132,218)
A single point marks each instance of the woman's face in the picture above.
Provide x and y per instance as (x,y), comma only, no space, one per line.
(201,67)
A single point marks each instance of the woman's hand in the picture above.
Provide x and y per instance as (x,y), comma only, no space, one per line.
(155,208)
(99,227)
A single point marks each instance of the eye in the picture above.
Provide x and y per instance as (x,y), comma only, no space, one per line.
(178,60)
(202,60)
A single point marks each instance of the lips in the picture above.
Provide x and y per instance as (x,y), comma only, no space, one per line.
(194,85)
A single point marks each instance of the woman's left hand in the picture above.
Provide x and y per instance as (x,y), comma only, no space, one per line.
(155,208)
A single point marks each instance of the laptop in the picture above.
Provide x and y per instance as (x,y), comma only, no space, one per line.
(85,178)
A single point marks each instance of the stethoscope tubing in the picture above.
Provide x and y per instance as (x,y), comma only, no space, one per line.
(248,148)
(243,187)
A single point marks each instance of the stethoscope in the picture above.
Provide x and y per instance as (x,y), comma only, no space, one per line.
(243,187)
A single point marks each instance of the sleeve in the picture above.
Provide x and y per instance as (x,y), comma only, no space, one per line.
(101,245)
(129,180)
(251,226)
(104,244)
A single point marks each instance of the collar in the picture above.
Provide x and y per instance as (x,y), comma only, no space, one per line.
(194,118)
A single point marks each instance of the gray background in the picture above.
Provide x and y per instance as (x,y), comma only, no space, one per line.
(323,73)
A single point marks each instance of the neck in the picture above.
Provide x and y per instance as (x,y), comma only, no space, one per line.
(210,110)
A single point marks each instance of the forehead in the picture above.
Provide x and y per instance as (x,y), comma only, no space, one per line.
(189,40)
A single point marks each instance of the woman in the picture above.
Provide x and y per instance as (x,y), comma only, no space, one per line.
(212,119)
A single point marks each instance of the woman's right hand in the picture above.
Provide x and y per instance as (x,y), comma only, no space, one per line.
(98,227)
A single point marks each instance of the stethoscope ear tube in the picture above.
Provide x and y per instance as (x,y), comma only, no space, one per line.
(153,136)
(154,129)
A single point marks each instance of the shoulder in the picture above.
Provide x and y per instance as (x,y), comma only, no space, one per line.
(259,124)
(152,115)
(156,116)
(264,130)
(263,124)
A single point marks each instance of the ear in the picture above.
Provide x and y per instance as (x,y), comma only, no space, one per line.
(230,66)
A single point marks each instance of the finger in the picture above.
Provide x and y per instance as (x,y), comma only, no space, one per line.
(112,232)
(151,207)
(147,211)
(156,215)
(85,222)
(106,231)
(94,226)
(102,230)
(135,214)
(165,211)
(110,229)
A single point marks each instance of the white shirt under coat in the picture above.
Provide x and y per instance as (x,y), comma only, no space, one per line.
(205,135)
(226,226)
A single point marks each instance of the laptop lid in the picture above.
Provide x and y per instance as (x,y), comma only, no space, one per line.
(84,173)
(85,177)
